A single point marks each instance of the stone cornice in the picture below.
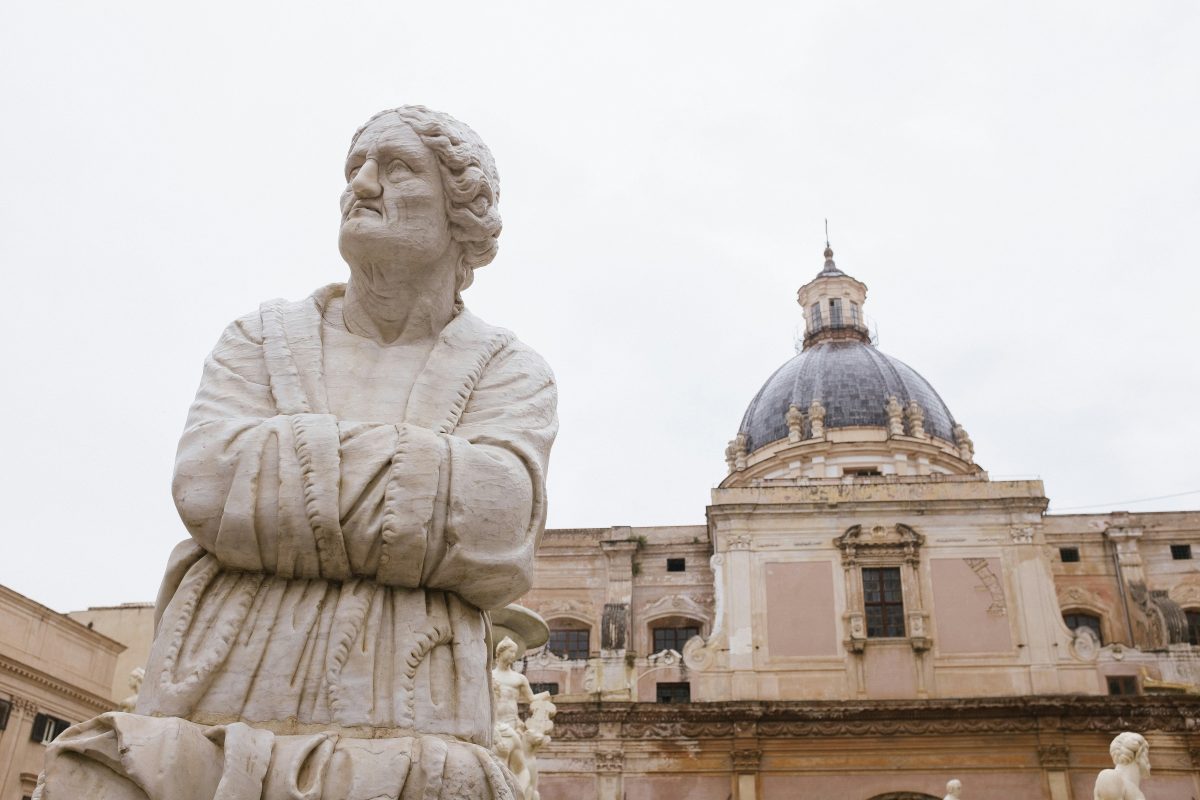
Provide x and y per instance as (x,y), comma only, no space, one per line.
(1099,714)
(101,704)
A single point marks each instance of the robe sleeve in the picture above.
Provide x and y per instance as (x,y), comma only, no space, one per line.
(465,511)
(307,495)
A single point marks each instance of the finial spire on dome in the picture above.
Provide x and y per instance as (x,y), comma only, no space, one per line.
(830,268)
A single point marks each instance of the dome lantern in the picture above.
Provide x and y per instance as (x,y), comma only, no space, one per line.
(833,305)
(842,409)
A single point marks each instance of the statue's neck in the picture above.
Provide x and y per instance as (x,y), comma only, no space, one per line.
(1131,773)
(392,307)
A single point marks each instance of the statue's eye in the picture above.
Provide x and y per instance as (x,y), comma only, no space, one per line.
(397,170)
(354,171)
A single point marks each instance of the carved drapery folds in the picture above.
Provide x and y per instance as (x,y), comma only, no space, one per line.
(898,546)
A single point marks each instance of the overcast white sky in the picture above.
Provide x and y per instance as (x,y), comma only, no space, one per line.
(1018,185)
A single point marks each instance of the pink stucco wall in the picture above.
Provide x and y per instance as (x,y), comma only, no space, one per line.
(676,787)
(801,620)
(566,787)
(890,670)
(970,609)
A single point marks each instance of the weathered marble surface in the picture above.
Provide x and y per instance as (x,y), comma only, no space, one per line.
(1131,763)
(362,474)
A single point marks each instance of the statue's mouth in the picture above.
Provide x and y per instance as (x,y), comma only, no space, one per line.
(364,207)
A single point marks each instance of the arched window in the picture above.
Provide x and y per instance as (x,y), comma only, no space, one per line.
(1081,619)
(672,632)
(569,638)
(1193,620)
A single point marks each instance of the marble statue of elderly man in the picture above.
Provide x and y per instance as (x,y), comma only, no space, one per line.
(362,475)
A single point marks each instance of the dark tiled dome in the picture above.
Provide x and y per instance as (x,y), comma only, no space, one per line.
(853,381)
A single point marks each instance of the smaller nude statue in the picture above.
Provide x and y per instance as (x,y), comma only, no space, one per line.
(136,676)
(895,415)
(1131,762)
(795,423)
(916,420)
(517,741)
(953,790)
(816,419)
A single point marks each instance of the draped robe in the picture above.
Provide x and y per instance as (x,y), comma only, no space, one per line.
(320,634)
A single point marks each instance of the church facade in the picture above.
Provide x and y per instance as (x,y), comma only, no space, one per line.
(865,614)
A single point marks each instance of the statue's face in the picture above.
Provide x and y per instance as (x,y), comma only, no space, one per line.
(393,206)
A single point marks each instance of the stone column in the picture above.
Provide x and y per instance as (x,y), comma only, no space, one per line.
(746,761)
(609,782)
(616,625)
(22,709)
(739,576)
(1054,759)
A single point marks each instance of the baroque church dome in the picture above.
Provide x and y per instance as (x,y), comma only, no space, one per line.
(841,408)
(853,381)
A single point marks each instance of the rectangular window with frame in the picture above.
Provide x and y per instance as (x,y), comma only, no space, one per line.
(676,565)
(883,602)
(1181,552)
(673,638)
(5,710)
(538,688)
(1069,555)
(46,728)
(673,693)
(1122,684)
(814,314)
(570,643)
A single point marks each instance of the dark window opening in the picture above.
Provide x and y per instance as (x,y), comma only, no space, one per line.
(1181,552)
(673,638)
(883,601)
(5,709)
(538,688)
(676,565)
(673,693)
(1193,620)
(46,728)
(569,643)
(815,314)
(835,312)
(1069,555)
(1122,684)
(862,472)
(1076,620)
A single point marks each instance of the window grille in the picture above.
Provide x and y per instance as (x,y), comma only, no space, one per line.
(673,638)
(1076,620)
(883,601)
(570,643)
(673,693)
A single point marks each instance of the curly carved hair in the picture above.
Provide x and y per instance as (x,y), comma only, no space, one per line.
(469,180)
(1130,748)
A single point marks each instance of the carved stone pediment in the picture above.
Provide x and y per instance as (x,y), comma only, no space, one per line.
(681,605)
(879,544)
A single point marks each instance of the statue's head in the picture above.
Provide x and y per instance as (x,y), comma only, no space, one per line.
(954,787)
(1131,748)
(421,189)
(506,651)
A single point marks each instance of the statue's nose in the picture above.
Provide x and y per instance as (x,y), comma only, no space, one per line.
(366,181)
